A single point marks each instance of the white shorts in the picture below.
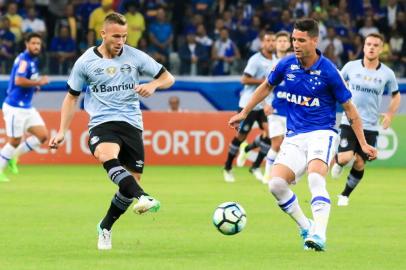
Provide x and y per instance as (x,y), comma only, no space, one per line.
(277,125)
(18,120)
(297,151)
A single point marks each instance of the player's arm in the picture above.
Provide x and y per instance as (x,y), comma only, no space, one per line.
(248,79)
(262,91)
(356,123)
(393,108)
(67,113)
(163,80)
(24,82)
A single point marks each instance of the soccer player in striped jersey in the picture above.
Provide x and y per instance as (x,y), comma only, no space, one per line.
(367,78)
(111,74)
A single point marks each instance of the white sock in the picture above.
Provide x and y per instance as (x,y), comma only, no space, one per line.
(30,144)
(270,159)
(6,154)
(320,204)
(287,201)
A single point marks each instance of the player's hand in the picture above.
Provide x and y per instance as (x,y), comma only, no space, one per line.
(371,151)
(56,140)
(235,121)
(267,109)
(386,120)
(43,80)
(145,89)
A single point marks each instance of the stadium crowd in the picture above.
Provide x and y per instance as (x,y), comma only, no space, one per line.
(199,37)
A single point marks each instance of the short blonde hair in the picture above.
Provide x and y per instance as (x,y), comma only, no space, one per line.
(115,18)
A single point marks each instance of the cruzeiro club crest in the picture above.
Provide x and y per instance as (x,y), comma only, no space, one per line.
(111,71)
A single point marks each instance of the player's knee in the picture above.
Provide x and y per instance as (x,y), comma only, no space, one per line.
(14,141)
(359,164)
(277,186)
(343,159)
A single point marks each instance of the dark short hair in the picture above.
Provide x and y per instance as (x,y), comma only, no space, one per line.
(376,35)
(310,26)
(115,18)
(31,36)
(282,34)
(264,33)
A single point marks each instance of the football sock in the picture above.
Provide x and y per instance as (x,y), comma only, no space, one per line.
(232,152)
(320,203)
(288,201)
(352,181)
(128,186)
(254,144)
(118,206)
(270,159)
(6,154)
(30,144)
(264,146)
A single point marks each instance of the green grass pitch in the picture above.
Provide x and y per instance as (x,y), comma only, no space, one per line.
(49,214)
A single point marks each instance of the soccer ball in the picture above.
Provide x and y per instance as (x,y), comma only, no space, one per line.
(229,218)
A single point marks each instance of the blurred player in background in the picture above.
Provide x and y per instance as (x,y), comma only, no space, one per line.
(275,108)
(313,86)
(258,67)
(367,78)
(111,73)
(18,113)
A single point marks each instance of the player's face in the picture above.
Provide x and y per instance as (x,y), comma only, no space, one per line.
(372,48)
(114,37)
(303,44)
(34,46)
(282,44)
(268,43)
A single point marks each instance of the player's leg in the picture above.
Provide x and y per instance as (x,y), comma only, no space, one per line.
(353,179)
(287,168)
(14,119)
(320,152)
(6,154)
(277,130)
(357,170)
(244,129)
(264,145)
(345,152)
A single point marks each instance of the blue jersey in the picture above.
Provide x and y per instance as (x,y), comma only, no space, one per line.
(311,93)
(24,66)
(279,103)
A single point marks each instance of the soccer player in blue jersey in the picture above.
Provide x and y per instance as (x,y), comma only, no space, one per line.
(18,113)
(258,67)
(313,86)
(367,78)
(111,74)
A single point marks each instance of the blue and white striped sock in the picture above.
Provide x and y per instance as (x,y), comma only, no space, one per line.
(320,204)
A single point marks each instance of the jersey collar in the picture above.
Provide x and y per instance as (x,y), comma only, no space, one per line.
(315,65)
(96,51)
(378,67)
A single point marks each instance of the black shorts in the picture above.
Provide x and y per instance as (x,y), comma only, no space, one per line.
(349,142)
(128,137)
(258,116)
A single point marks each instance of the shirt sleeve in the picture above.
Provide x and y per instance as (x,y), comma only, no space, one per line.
(251,68)
(344,71)
(23,68)
(392,84)
(277,74)
(339,86)
(148,65)
(77,78)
